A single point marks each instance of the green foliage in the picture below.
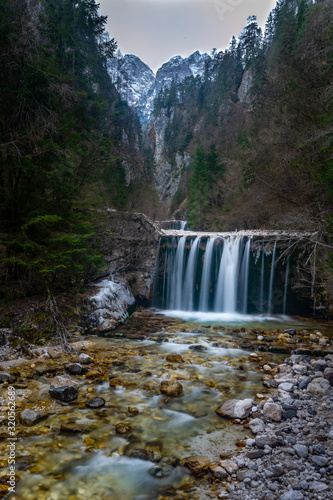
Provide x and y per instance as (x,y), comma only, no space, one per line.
(206,170)
(60,117)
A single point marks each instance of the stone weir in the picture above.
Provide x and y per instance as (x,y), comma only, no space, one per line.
(245,272)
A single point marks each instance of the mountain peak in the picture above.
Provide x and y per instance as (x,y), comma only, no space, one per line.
(139,86)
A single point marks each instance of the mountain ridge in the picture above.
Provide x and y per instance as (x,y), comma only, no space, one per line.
(139,86)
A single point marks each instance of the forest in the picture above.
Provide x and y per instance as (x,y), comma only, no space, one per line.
(257,125)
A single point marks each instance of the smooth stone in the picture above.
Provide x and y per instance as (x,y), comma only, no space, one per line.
(262,441)
(65,393)
(330,434)
(301,450)
(171,388)
(329,378)
(31,417)
(63,381)
(217,471)
(286,387)
(5,377)
(122,428)
(292,495)
(290,331)
(289,414)
(273,411)
(318,486)
(257,425)
(235,408)
(229,465)
(174,358)
(75,369)
(246,474)
(321,461)
(84,359)
(276,471)
(255,454)
(304,383)
(197,465)
(95,402)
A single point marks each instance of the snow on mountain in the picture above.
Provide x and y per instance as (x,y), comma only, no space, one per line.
(139,86)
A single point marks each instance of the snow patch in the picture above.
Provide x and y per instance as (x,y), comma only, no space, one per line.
(111,304)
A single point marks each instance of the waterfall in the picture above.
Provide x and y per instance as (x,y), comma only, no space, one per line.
(244,278)
(190,275)
(206,275)
(286,286)
(271,281)
(222,274)
(226,294)
(262,277)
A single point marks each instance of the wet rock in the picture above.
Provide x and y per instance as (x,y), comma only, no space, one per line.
(257,425)
(171,388)
(72,428)
(123,428)
(301,450)
(95,403)
(65,393)
(198,347)
(115,382)
(85,359)
(139,454)
(75,369)
(290,331)
(174,358)
(31,417)
(197,465)
(133,411)
(235,408)
(61,381)
(5,377)
(217,471)
(273,411)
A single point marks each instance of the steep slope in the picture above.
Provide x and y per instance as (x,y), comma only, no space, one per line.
(139,86)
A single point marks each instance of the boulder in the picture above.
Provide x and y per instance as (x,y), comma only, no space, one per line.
(174,358)
(66,393)
(75,369)
(273,411)
(197,465)
(235,408)
(217,471)
(171,388)
(257,425)
(84,359)
(31,417)
(95,403)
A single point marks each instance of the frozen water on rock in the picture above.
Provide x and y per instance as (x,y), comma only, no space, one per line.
(111,304)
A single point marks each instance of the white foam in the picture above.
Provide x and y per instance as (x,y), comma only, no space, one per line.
(212,317)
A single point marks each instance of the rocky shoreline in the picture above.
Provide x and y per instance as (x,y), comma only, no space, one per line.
(291,455)
(284,448)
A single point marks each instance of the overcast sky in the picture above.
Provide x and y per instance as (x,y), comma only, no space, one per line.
(156,30)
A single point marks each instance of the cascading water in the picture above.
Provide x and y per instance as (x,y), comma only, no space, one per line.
(223,274)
